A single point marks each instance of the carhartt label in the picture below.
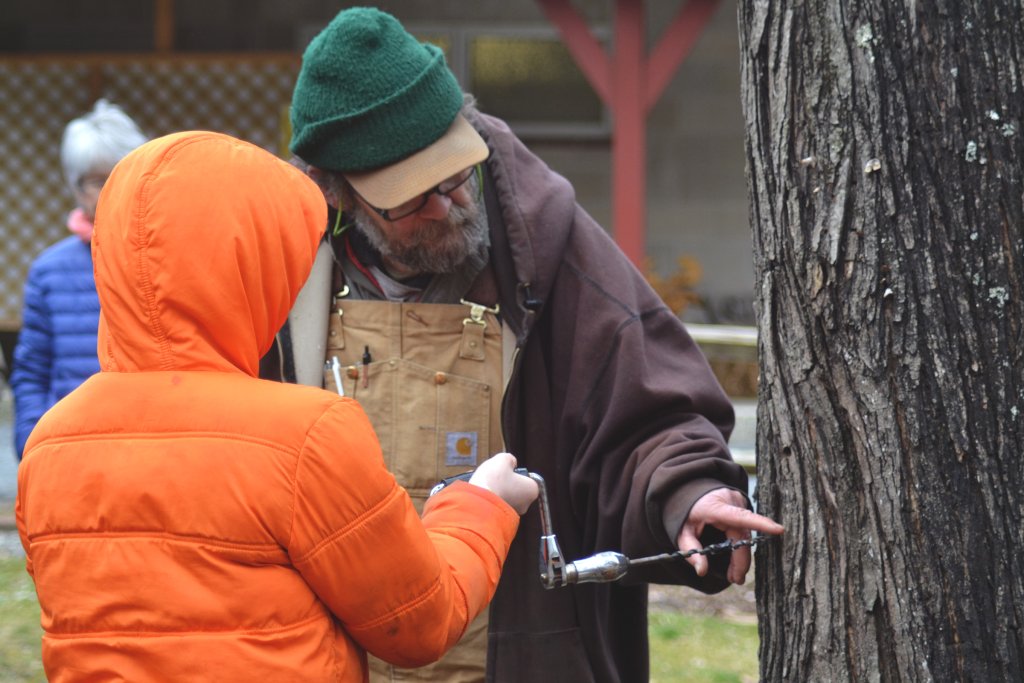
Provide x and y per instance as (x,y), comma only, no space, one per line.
(461,449)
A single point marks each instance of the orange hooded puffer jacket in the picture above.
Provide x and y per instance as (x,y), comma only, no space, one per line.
(184,520)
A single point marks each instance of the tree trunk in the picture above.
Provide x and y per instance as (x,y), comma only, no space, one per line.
(885,146)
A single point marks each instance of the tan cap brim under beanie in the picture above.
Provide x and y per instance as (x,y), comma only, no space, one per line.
(456,150)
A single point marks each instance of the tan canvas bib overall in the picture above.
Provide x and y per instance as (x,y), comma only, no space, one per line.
(430,378)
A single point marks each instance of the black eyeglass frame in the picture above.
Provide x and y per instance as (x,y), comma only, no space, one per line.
(444,188)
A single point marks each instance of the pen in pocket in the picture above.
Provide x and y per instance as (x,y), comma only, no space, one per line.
(336,369)
(367,359)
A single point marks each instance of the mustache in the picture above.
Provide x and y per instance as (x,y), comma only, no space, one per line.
(435,246)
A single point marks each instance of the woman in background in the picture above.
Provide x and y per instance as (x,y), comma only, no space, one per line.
(56,348)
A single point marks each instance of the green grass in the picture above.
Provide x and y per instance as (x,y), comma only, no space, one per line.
(19,625)
(685,648)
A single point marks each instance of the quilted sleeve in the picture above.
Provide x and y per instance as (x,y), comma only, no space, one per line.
(404,588)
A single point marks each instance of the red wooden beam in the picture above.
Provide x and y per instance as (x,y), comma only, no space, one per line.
(629,140)
(630,83)
(675,44)
(583,46)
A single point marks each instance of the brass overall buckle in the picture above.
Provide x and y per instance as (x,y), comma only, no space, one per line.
(476,312)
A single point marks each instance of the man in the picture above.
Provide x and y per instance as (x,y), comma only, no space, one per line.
(471,305)
(184,520)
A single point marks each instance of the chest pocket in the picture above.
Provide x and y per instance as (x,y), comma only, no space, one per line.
(429,377)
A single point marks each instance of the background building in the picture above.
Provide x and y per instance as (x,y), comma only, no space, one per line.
(229,65)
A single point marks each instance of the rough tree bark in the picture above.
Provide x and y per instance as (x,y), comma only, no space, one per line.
(885,151)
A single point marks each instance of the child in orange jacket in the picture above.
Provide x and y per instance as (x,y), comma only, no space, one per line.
(184,520)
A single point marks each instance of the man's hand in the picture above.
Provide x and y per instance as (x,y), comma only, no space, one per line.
(726,510)
(497,476)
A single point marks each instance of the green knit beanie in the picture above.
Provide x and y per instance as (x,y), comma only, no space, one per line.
(369,94)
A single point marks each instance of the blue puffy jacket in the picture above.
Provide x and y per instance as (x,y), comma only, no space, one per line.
(56,348)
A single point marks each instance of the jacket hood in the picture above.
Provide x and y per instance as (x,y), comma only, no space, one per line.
(538,206)
(202,243)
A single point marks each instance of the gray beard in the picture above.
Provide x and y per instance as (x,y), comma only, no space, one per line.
(437,247)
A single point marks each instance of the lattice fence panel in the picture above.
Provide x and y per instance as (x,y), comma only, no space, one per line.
(243,96)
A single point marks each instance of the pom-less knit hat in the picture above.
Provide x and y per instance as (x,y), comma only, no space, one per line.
(375,104)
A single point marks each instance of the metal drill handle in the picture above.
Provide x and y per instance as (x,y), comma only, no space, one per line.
(552,565)
(600,568)
(554,572)
(604,567)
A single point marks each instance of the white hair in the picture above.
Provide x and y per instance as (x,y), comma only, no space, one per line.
(97,141)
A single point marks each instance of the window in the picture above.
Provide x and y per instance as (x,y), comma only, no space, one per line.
(526,77)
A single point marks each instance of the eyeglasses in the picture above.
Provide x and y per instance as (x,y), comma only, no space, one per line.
(408,208)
